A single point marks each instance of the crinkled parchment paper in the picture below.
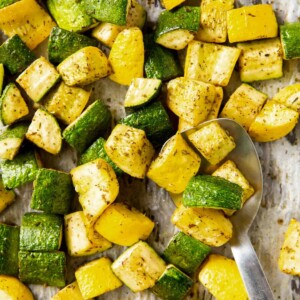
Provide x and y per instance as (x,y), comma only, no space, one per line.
(281,170)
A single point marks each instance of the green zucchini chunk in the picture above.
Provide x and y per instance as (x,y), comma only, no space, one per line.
(42,268)
(97,150)
(4,3)
(15,55)
(70,14)
(41,232)
(154,120)
(63,43)
(93,122)
(186,253)
(212,192)
(9,248)
(172,284)
(111,11)
(160,62)
(290,40)
(22,169)
(11,140)
(53,192)
(141,91)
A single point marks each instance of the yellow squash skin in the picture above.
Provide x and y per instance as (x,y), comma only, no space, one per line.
(70,292)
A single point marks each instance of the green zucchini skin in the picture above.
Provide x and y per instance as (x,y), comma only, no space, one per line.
(154,120)
(93,122)
(160,62)
(15,55)
(53,192)
(212,192)
(290,37)
(63,43)
(186,253)
(40,232)
(15,131)
(4,3)
(172,285)
(42,268)
(97,150)
(9,248)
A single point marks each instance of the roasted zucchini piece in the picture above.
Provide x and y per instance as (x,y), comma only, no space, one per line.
(42,268)
(260,60)
(139,267)
(127,56)
(244,105)
(38,78)
(289,35)
(273,122)
(84,66)
(207,225)
(63,43)
(70,292)
(15,55)
(130,150)
(210,63)
(190,99)
(77,239)
(96,278)
(11,140)
(175,165)
(9,247)
(94,121)
(1,77)
(154,120)
(12,105)
(31,22)
(220,275)
(136,16)
(44,131)
(52,192)
(7,197)
(176,28)
(97,186)
(170,4)
(4,3)
(186,253)
(251,23)
(123,225)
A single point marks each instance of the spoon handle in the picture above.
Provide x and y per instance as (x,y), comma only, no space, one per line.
(249,266)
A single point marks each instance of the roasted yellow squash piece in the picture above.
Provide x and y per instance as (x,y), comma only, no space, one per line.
(70,292)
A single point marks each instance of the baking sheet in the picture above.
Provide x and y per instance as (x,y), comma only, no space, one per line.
(281,171)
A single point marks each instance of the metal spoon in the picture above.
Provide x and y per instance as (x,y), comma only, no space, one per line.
(245,156)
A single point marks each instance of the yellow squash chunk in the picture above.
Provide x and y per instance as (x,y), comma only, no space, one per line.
(190,99)
(97,186)
(70,292)
(12,288)
(251,23)
(214,112)
(28,20)
(289,258)
(96,278)
(213,20)
(106,33)
(213,142)
(84,66)
(123,225)
(244,105)
(175,165)
(207,225)
(220,275)
(6,196)
(130,150)
(273,122)
(210,63)
(127,56)
(289,96)
(170,4)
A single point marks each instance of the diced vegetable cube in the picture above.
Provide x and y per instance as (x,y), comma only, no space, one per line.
(170,4)
(220,275)
(210,63)
(139,267)
(14,288)
(123,225)
(289,35)
(185,252)
(96,278)
(130,150)
(7,197)
(175,165)
(106,33)
(53,191)
(136,16)
(251,23)
(207,225)
(38,78)
(70,292)
(9,247)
